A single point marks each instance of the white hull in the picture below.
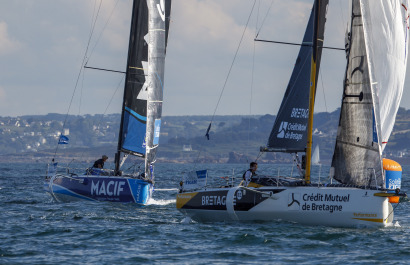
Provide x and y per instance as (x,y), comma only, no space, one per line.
(329,206)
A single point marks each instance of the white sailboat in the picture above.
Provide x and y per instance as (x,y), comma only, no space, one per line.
(316,156)
(374,78)
(140,118)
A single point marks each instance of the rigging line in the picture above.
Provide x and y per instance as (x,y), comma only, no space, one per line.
(392,211)
(81,93)
(106,109)
(79,74)
(341,13)
(94,14)
(102,31)
(251,92)
(196,161)
(258,156)
(257,15)
(263,21)
(299,44)
(233,61)
(102,69)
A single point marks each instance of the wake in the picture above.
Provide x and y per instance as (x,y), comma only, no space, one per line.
(173,189)
(160,202)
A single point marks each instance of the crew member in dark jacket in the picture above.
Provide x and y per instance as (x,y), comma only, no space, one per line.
(100,162)
(249,173)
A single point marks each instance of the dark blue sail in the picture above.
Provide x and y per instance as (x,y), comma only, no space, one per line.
(289,133)
(134,112)
(132,136)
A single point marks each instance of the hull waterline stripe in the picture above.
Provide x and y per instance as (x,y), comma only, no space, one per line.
(370,220)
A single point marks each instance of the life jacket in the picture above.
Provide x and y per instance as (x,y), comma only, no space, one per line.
(244,173)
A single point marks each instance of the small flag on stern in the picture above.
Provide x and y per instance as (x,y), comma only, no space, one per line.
(63,139)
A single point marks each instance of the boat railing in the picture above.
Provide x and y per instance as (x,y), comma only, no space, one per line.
(87,171)
(69,177)
(371,175)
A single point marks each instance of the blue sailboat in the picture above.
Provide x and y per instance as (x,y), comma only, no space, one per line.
(140,118)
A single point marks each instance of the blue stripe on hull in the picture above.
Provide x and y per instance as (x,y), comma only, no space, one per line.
(114,189)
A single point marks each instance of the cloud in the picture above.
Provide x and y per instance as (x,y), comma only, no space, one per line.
(113,22)
(203,23)
(7,45)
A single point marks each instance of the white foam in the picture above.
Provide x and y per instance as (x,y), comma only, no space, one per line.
(174,189)
(152,201)
(186,220)
(397,224)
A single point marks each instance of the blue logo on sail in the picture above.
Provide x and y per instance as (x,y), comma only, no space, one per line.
(157,130)
(375,138)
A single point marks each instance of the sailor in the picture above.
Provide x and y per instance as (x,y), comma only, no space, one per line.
(100,162)
(249,173)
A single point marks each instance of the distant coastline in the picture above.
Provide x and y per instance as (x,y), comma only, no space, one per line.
(233,139)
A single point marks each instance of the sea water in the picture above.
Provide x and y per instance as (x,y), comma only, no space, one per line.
(36,230)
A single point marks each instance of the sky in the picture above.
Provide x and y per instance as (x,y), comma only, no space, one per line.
(43,42)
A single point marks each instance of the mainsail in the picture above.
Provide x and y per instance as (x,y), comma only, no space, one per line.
(356,158)
(289,133)
(377,57)
(143,90)
(134,112)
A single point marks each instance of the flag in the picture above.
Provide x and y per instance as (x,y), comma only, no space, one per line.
(207,131)
(63,139)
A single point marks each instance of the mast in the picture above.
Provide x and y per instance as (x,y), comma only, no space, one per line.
(312,90)
(155,79)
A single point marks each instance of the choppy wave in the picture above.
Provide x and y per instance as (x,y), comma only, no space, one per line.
(36,230)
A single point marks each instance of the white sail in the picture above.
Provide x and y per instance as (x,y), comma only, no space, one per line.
(316,156)
(386,20)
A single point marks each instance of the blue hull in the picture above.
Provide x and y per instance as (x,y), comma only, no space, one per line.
(97,188)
